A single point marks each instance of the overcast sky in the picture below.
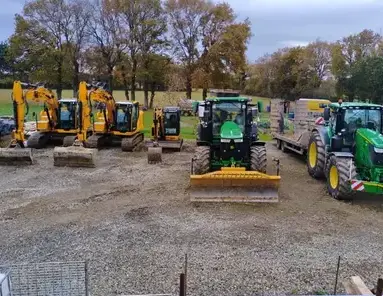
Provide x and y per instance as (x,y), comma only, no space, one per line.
(276,23)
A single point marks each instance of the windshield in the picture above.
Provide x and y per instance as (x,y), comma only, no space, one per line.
(363,118)
(228,111)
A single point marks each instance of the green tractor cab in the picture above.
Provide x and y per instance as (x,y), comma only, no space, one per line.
(230,162)
(348,149)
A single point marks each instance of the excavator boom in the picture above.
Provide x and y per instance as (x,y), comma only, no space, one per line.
(17,154)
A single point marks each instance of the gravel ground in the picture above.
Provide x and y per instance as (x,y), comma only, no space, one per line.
(134,223)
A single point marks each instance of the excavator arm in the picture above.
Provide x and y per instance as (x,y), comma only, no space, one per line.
(85,110)
(102,96)
(34,93)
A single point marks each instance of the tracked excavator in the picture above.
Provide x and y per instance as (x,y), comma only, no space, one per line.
(57,122)
(115,122)
(230,161)
(166,131)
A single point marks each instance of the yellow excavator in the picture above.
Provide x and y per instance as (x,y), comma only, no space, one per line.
(166,130)
(73,153)
(115,122)
(60,120)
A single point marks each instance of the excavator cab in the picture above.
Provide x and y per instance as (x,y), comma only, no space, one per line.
(172,122)
(166,130)
(67,114)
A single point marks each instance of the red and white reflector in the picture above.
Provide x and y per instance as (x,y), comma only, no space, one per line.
(319,121)
(357,185)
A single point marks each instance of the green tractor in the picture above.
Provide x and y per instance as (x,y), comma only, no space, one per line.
(230,162)
(348,149)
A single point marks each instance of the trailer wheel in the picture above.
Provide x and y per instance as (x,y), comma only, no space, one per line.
(338,177)
(283,147)
(316,156)
(279,144)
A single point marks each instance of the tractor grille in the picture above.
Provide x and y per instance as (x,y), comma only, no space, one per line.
(235,150)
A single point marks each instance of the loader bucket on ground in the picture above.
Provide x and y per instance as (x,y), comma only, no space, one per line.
(74,156)
(234,185)
(16,156)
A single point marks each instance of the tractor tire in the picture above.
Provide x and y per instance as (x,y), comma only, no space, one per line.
(338,177)
(258,159)
(316,157)
(201,163)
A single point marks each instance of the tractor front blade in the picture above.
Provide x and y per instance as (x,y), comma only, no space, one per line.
(234,185)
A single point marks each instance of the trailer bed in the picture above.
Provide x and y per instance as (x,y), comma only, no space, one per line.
(288,142)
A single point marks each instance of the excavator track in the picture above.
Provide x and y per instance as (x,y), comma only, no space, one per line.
(128,144)
(69,141)
(94,141)
(37,140)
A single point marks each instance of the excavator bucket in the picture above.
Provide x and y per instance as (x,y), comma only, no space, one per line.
(74,156)
(174,144)
(154,154)
(16,156)
(234,185)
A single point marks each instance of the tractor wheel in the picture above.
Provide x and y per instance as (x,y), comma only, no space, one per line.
(201,163)
(258,159)
(316,156)
(338,177)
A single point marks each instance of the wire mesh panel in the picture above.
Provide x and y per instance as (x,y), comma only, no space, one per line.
(48,279)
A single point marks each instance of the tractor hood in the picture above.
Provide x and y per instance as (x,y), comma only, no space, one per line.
(373,137)
(231,130)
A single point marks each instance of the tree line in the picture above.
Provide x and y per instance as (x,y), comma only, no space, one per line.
(150,44)
(351,68)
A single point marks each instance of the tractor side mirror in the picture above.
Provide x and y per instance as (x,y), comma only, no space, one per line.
(326,115)
(33,114)
(201,111)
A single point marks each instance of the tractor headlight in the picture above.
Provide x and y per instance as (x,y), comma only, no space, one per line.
(225,140)
(238,140)
(378,150)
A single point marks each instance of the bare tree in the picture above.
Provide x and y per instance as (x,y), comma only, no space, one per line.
(319,58)
(185,19)
(106,30)
(145,23)
(76,34)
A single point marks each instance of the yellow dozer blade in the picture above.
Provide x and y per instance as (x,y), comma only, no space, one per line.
(16,156)
(74,156)
(234,185)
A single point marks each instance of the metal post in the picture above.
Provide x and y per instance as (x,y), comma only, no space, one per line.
(336,277)
(379,287)
(86,279)
(182,285)
(186,272)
